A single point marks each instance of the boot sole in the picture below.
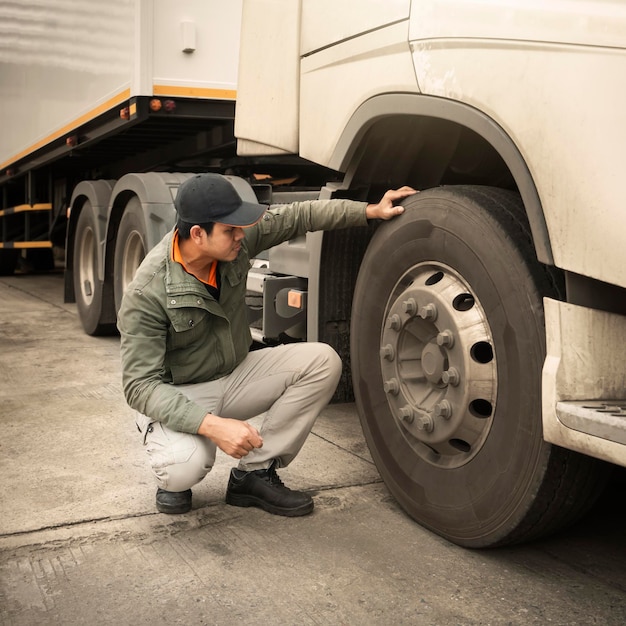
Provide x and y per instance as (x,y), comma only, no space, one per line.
(173,510)
(246,501)
(173,504)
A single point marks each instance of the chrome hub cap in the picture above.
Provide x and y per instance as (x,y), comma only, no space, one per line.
(439,365)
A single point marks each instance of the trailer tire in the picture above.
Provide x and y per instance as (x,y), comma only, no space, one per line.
(130,248)
(447,348)
(93,298)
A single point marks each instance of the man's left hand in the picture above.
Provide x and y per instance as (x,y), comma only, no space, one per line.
(386,208)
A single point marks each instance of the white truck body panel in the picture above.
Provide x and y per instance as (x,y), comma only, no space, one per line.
(571,88)
(210,70)
(577,22)
(337,79)
(275,104)
(313,97)
(120,49)
(327,22)
(579,365)
(43,47)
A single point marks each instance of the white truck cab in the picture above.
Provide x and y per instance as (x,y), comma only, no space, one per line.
(487,327)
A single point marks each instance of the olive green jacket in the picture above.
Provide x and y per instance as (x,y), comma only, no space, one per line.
(174,332)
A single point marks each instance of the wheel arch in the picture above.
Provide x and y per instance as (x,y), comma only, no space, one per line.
(456,144)
(155,192)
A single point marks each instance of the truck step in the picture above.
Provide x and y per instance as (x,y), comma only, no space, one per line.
(276,305)
(600,418)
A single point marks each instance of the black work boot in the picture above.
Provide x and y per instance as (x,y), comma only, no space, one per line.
(264,489)
(173,502)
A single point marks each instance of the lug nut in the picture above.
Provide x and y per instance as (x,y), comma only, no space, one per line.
(445,338)
(406,413)
(425,422)
(409,307)
(394,322)
(387,352)
(451,377)
(428,312)
(443,409)
(391,386)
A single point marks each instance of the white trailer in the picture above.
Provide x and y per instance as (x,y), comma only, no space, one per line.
(100,101)
(483,330)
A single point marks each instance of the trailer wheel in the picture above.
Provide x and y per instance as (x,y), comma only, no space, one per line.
(447,347)
(93,300)
(130,248)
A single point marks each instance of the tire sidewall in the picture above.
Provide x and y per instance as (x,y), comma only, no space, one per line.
(132,222)
(89,313)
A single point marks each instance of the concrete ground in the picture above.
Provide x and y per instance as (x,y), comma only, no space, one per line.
(81,542)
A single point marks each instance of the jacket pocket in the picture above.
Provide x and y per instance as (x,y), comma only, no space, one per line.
(195,352)
(167,447)
(144,424)
(186,320)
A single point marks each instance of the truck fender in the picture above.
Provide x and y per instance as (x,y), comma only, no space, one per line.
(417,105)
(156,192)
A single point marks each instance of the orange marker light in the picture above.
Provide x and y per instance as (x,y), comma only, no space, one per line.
(294,299)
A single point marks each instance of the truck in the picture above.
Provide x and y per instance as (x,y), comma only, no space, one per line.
(483,331)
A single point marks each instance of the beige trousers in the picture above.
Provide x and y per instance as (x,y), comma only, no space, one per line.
(290,383)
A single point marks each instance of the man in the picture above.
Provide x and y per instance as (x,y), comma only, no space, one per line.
(185,341)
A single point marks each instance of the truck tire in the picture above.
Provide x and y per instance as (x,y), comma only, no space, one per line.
(93,298)
(447,348)
(130,248)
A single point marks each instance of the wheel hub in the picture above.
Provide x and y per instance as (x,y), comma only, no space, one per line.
(434,361)
(85,265)
(438,364)
(133,255)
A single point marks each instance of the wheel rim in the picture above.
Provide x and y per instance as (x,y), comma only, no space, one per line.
(439,365)
(87,265)
(133,254)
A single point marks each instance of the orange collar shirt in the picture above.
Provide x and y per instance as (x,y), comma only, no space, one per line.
(211,280)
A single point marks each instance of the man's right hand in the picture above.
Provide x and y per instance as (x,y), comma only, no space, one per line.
(234,437)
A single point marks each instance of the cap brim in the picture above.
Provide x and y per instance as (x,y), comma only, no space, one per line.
(247,214)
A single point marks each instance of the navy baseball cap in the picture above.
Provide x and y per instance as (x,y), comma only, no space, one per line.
(212,198)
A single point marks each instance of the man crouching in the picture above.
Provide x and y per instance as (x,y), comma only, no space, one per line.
(185,341)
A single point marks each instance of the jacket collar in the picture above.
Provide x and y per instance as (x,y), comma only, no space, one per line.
(177,280)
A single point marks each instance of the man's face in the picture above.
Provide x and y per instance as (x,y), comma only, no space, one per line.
(224,242)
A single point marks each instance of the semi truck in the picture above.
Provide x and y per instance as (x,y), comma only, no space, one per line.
(483,331)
